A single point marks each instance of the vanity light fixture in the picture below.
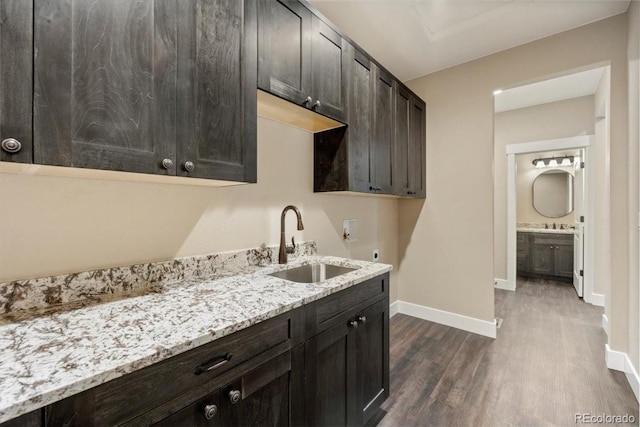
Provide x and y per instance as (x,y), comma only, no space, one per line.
(553,162)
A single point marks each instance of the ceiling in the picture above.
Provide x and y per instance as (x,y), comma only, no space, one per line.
(566,87)
(412,38)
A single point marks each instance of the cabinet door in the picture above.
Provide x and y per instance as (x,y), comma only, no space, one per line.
(361,86)
(217,75)
(417,148)
(402,141)
(564,260)
(284,49)
(330,367)
(16,83)
(105,84)
(372,359)
(543,258)
(329,59)
(382,141)
(523,250)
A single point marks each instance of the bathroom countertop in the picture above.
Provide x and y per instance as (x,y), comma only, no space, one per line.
(48,358)
(546,230)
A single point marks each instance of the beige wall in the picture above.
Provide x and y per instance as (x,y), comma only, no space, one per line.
(52,225)
(571,117)
(634,181)
(447,262)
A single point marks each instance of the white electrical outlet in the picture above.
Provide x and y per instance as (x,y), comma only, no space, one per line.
(376,255)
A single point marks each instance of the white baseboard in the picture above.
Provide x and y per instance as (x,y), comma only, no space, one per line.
(615,359)
(459,321)
(632,377)
(620,361)
(393,308)
(503,284)
(605,324)
(597,299)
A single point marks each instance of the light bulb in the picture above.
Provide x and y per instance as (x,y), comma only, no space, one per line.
(566,162)
(539,164)
(553,163)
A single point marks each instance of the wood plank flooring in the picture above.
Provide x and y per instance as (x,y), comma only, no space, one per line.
(546,365)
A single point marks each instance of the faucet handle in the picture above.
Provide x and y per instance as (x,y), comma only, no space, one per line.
(292,248)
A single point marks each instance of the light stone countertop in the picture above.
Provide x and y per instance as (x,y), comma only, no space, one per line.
(545,230)
(48,358)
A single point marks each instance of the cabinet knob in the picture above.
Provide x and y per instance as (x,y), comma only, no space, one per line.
(210,411)
(234,396)
(551,247)
(167,163)
(11,145)
(353,323)
(361,319)
(309,100)
(317,104)
(189,166)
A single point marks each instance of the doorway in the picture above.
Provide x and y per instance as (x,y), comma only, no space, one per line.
(559,113)
(551,240)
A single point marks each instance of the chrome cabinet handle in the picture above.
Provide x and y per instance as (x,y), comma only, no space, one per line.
(309,100)
(206,367)
(361,319)
(234,396)
(167,163)
(210,411)
(317,104)
(11,145)
(189,166)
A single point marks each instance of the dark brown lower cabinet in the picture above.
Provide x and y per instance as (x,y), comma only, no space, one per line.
(324,364)
(372,357)
(347,368)
(262,397)
(545,255)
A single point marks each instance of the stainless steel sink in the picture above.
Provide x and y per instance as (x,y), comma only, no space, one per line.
(312,273)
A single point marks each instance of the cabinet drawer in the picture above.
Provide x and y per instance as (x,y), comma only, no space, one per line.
(270,380)
(553,239)
(324,313)
(181,379)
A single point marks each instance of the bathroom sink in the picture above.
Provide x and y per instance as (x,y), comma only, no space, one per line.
(312,273)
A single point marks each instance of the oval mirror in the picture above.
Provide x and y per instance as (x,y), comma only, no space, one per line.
(553,193)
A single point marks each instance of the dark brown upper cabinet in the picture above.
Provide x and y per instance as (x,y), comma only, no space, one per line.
(217,74)
(382,149)
(383,138)
(152,86)
(301,59)
(16,84)
(417,161)
(409,155)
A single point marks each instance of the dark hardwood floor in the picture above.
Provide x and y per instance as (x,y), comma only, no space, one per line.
(546,365)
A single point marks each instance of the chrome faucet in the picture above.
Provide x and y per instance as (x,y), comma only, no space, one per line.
(284,249)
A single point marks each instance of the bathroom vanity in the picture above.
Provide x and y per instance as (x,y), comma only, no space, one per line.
(545,253)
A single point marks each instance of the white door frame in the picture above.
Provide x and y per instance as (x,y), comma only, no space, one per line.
(541,146)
